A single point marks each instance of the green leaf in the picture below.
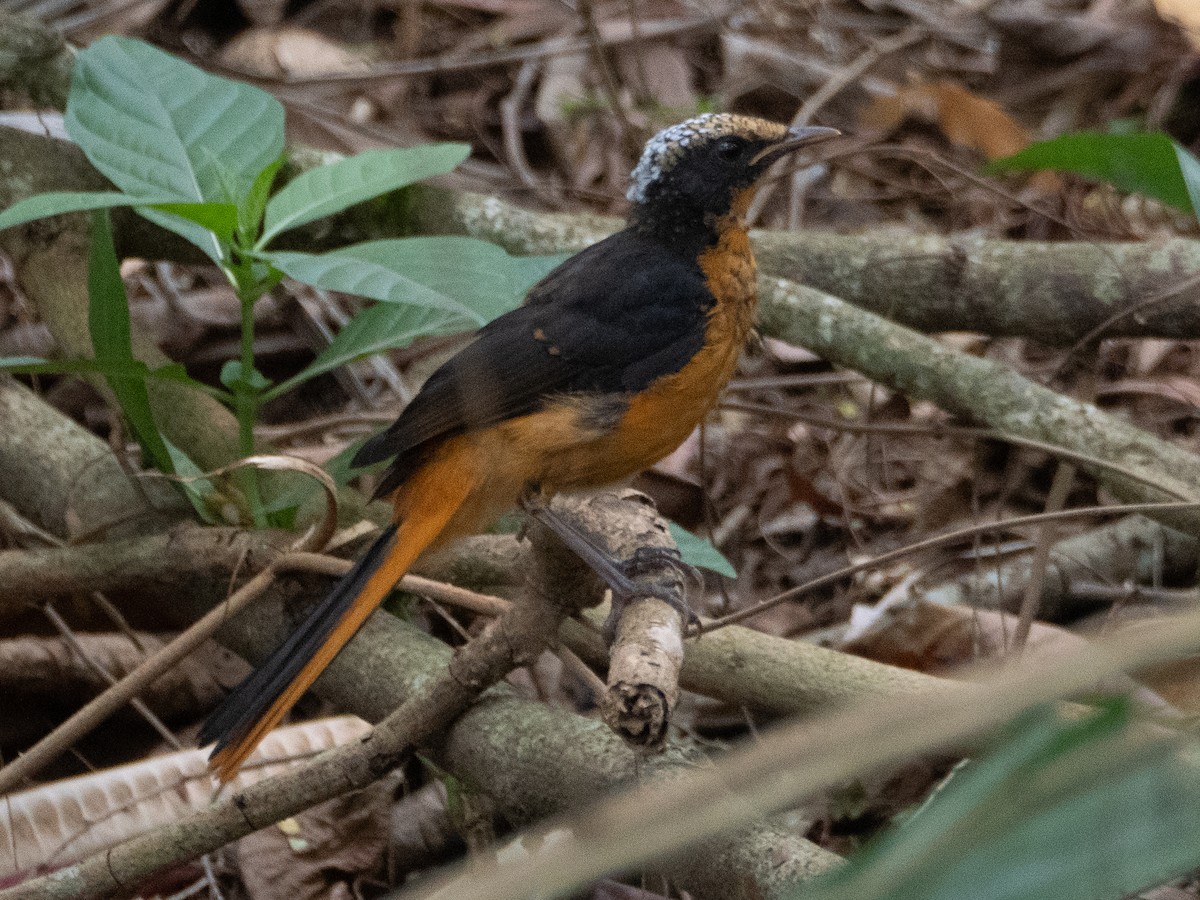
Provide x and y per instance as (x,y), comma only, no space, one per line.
(108,320)
(250,213)
(1147,163)
(208,242)
(698,551)
(329,189)
(470,278)
(58,202)
(341,468)
(199,491)
(155,124)
(219,218)
(384,326)
(1189,167)
(434,285)
(527,271)
(135,370)
(232,378)
(1076,810)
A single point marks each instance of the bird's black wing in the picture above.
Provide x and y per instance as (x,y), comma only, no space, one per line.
(610,320)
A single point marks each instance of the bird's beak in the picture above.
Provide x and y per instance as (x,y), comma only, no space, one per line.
(798,137)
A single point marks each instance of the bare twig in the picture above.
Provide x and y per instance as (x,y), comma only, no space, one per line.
(126,689)
(834,85)
(510,124)
(512,640)
(1064,478)
(789,763)
(562,46)
(137,703)
(944,540)
(608,77)
(979,389)
(532,758)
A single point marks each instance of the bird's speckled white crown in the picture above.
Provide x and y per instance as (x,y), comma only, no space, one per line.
(668,145)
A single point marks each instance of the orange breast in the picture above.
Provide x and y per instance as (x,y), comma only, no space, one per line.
(661,417)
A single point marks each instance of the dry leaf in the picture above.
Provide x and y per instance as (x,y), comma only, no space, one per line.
(1185,13)
(966,119)
(1177,681)
(1178,388)
(318,854)
(55,824)
(296,52)
(933,638)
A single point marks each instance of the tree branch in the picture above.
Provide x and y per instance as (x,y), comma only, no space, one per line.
(514,639)
(532,759)
(978,389)
(1056,293)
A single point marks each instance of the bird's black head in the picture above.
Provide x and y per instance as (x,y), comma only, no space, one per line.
(692,174)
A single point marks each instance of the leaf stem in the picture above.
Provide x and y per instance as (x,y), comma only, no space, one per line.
(246,391)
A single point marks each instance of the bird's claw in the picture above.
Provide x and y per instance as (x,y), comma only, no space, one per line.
(647,560)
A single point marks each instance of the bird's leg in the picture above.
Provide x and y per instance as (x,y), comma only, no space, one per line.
(619,575)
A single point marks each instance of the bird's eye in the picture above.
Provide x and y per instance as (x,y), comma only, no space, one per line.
(729,149)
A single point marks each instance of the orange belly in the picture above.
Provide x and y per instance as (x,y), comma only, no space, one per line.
(661,417)
(571,444)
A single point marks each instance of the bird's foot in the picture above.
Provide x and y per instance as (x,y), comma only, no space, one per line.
(621,576)
(650,561)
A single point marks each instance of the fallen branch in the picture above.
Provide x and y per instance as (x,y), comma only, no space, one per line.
(514,639)
(97,710)
(1134,549)
(532,759)
(35,59)
(40,674)
(1057,293)
(70,489)
(193,565)
(790,763)
(978,389)
(647,649)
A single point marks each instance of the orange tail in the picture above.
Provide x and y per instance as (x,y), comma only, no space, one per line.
(257,705)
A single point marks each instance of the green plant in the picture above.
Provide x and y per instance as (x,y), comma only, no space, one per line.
(198,155)
(1149,163)
(1091,808)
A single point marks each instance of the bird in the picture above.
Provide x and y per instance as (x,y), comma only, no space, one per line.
(609,364)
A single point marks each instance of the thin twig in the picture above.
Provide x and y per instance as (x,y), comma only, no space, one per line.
(126,689)
(510,124)
(792,762)
(1064,478)
(1097,333)
(834,85)
(943,540)
(608,77)
(137,703)
(964,431)
(562,46)
(510,641)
